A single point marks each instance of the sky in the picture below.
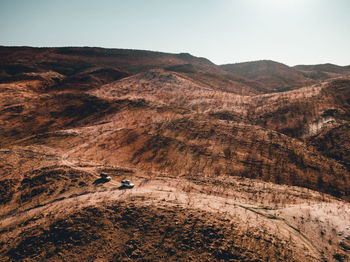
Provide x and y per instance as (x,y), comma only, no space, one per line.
(224,31)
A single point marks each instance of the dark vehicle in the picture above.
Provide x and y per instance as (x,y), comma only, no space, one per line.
(105,177)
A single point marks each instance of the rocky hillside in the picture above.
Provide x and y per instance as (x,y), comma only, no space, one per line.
(224,167)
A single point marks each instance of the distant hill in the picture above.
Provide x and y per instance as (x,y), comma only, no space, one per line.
(272,75)
(322,71)
(72,62)
(100,65)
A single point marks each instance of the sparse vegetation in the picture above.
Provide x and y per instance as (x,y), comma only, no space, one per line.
(223,168)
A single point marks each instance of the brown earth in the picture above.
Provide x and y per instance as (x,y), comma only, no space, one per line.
(223,168)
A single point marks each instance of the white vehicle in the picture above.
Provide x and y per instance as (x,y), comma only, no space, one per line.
(105,177)
(127,184)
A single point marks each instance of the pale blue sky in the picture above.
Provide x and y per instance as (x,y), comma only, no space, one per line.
(224,31)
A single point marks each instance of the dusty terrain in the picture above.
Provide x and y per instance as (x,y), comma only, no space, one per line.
(224,167)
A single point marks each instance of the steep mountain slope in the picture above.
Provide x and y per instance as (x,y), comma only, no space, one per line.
(254,155)
(318,115)
(272,75)
(218,175)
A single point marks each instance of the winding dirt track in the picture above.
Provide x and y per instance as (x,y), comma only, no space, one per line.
(65,159)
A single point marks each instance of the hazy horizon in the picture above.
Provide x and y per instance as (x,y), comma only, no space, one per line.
(291,31)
